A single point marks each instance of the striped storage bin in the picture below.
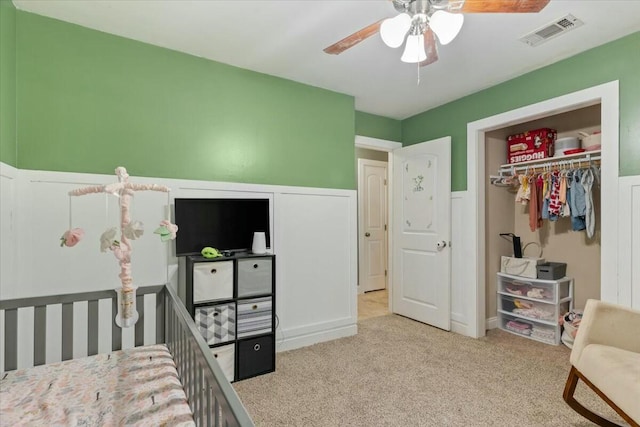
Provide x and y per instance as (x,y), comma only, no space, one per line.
(254,317)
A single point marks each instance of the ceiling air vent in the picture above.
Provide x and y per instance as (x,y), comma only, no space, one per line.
(549,31)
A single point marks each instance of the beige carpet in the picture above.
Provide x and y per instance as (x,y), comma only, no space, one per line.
(397,372)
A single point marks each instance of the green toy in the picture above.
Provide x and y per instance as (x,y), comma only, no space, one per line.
(210,252)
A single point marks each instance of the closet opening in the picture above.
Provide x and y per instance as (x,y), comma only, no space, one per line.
(606,96)
(559,239)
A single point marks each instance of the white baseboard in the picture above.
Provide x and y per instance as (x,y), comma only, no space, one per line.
(290,343)
(492,323)
(459,328)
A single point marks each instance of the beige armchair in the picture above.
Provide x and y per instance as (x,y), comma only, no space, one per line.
(606,356)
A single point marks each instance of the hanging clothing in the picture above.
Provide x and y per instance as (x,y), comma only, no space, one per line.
(577,222)
(578,204)
(524,191)
(590,216)
(546,186)
(540,197)
(554,197)
(562,196)
(533,205)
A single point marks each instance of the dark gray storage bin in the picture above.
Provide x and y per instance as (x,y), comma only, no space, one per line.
(552,270)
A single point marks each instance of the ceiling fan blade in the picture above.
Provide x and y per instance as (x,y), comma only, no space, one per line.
(430,48)
(353,39)
(503,6)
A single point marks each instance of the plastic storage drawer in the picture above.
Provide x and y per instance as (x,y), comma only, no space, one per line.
(552,291)
(217,323)
(255,356)
(212,281)
(533,310)
(530,329)
(254,317)
(254,277)
(226,358)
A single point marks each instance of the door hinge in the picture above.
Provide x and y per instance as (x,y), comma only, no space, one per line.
(385,273)
(385,181)
(385,227)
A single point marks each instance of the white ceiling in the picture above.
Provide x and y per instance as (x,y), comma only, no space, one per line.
(285,38)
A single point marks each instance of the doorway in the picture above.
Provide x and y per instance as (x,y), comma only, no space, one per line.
(419,182)
(373,157)
(372,222)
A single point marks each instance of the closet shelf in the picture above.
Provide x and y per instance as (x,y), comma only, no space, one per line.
(587,156)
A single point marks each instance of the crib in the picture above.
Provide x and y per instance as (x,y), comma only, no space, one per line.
(210,397)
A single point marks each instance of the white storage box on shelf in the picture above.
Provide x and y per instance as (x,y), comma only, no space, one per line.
(591,142)
(213,281)
(525,267)
(226,357)
(565,144)
(533,307)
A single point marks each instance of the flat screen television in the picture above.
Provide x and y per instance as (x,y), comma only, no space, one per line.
(224,224)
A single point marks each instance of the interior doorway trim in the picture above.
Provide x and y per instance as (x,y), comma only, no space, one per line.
(605,94)
(376,144)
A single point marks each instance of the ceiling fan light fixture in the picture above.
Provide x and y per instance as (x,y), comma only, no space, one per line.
(446,25)
(394,29)
(414,49)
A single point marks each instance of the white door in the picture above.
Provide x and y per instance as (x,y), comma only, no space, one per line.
(421,260)
(372,225)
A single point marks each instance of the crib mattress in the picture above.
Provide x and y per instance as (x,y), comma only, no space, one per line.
(138,386)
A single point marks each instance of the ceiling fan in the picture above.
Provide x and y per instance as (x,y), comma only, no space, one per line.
(419,22)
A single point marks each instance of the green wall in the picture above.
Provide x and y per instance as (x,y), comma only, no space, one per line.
(379,127)
(8,149)
(89,101)
(618,60)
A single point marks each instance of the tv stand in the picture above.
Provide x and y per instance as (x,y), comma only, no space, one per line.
(232,300)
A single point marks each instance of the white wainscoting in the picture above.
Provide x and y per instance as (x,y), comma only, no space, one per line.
(318,235)
(629,241)
(313,236)
(459,311)
(8,215)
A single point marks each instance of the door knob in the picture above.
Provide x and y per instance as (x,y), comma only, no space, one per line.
(367,234)
(441,244)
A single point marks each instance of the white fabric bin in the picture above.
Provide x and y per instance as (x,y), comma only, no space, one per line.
(524,267)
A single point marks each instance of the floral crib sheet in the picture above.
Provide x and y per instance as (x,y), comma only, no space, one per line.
(139,386)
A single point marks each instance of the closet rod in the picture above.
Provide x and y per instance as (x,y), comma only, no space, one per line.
(558,164)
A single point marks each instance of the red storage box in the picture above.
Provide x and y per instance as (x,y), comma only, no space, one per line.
(532,145)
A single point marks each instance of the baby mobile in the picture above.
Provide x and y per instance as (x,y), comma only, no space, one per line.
(127,314)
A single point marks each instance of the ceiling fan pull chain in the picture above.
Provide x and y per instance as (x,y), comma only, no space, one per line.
(418,68)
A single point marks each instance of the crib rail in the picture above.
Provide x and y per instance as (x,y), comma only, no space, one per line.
(40,306)
(212,400)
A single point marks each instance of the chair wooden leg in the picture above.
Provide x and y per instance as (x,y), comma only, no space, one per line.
(570,388)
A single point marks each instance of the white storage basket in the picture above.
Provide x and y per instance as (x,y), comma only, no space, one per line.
(525,267)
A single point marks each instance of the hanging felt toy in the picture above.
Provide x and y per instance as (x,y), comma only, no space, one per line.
(71,237)
(133,230)
(167,230)
(107,239)
(129,230)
